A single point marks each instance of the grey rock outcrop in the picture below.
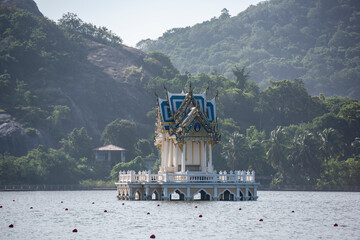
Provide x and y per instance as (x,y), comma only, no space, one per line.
(14,139)
(27,5)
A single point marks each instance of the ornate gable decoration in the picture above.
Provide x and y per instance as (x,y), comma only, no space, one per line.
(187,115)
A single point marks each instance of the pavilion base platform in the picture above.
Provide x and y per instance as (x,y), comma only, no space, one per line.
(237,186)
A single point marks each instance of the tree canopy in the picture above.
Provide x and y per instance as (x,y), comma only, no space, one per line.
(316,41)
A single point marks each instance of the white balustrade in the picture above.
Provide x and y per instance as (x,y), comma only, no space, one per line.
(193,177)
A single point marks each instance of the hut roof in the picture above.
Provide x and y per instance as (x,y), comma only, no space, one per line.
(110,148)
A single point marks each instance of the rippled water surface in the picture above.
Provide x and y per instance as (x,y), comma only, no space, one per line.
(314,215)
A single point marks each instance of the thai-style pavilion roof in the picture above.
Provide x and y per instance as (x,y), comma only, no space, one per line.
(178,113)
(110,148)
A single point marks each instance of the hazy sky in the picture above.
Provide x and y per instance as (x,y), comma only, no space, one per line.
(135,20)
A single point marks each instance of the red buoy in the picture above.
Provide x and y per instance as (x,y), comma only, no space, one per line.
(13,200)
(152,236)
(240,209)
(0,206)
(195,206)
(158,205)
(11,226)
(74,230)
(93,203)
(335,225)
(261,220)
(200,216)
(66,209)
(123,204)
(292,211)
(105,210)
(31,207)
(148,213)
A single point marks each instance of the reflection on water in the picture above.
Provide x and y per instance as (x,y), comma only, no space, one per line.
(297,215)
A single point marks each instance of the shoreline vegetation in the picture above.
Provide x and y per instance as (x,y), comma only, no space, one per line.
(109,186)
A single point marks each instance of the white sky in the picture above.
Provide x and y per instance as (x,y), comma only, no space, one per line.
(135,20)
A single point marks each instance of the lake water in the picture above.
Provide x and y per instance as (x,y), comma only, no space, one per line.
(314,216)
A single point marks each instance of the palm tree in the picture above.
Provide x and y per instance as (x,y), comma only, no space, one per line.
(356,146)
(235,151)
(304,157)
(330,144)
(276,153)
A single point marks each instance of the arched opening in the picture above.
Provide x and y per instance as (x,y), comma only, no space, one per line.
(227,196)
(177,196)
(137,195)
(155,195)
(202,196)
(121,196)
(250,195)
(241,196)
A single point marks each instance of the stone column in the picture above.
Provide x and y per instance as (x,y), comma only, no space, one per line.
(247,194)
(210,159)
(183,158)
(205,156)
(131,197)
(171,150)
(201,148)
(166,153)
(148,197)
(165,197)
(215,197)
(188,197)
(162,153)
(177,150)
(238,193)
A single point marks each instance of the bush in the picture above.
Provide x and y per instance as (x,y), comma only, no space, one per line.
(31,132)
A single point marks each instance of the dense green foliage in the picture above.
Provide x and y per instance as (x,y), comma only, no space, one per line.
(121,133)
(281,131)
(74,27)
(317,41)
(41,166)
(137,164)
(36,59)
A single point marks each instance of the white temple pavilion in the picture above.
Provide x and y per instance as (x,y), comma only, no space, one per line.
(186,133)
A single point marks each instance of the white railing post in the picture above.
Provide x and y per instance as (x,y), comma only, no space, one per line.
(131,176)
(214,176)
(236,176)
(248,176)
(166,176)
(253,176)
(187,176)
(149,176)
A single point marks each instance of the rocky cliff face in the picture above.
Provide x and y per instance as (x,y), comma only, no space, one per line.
(106,85)
(115,91)
(27,5)
(15,139)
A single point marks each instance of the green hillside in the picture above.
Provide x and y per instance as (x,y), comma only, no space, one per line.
(317,41)
(55,77)
(67,87)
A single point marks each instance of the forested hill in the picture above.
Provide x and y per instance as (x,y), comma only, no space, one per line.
(317,41)
(55,77)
